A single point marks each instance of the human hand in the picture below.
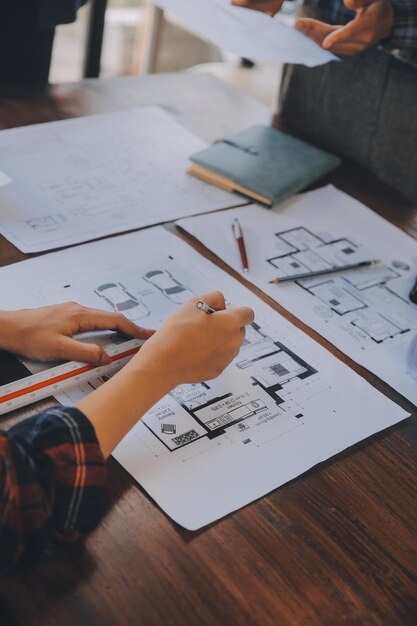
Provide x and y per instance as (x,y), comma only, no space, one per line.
(192,346)
(46,333)
(271,7)
(373,22)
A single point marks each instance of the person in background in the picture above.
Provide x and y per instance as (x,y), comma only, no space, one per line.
(363,107)
(52,466)
(27,29)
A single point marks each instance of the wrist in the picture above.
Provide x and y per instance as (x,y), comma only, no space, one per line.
(8,331)
(154,363)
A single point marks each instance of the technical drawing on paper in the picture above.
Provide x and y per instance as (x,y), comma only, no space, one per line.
(100,175)
(263,367)
(283,405)
(371,309)
(267,382)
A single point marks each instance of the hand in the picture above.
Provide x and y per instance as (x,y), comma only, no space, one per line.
(190,347)
(195,346)
(373,22)
(46,334)
(271,7)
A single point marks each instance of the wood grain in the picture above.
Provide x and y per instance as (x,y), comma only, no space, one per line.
(337,546)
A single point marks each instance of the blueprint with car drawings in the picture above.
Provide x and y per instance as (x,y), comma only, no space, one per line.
(204,450)
(366,313)
(81,179)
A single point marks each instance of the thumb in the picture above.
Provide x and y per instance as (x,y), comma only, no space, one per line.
(69,349)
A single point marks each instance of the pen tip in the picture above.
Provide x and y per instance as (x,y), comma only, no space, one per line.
(246,270)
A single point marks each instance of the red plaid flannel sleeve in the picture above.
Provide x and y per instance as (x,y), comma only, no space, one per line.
(52,474)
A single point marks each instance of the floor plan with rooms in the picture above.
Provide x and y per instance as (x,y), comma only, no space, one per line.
(369,307)
(283,405)
(366,313)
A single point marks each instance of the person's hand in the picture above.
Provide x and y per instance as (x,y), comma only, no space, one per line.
(46,334)
(373,22)
(192,346)
(265,6)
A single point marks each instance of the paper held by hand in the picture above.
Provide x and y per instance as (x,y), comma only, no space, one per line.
(250,34)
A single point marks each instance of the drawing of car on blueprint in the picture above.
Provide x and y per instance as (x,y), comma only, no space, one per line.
(170,287)
(119,298)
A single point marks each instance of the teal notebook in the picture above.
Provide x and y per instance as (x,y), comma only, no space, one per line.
(263,164)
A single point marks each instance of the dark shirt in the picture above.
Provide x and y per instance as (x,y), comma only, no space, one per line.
(52,474)
(53,12)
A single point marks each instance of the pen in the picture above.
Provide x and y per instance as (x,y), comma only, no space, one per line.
(203,306)
(238,235)
(332,270)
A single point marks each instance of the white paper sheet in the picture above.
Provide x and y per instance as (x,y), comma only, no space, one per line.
(366,313)
(205,450)
(247,33)
(85,178)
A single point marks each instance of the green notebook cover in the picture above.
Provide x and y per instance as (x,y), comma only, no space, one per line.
(267,162)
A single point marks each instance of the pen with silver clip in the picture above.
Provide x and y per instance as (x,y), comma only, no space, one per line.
(238,235)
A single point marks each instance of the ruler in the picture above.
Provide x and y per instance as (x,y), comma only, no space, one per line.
(30,389)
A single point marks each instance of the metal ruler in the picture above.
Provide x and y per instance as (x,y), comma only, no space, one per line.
(22,392)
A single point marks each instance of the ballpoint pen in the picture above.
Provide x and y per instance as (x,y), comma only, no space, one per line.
(203,306)
(238,235)
(331,270)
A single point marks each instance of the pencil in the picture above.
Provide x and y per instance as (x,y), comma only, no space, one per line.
(331,270)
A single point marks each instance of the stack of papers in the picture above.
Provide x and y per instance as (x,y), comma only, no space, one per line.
(81,179)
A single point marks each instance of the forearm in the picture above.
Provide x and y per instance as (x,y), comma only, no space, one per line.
(114,408)
(7,330)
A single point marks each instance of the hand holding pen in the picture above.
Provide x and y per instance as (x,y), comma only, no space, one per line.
(199,341)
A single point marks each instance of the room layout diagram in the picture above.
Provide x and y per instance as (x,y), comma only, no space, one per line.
(366,302)
(261,385)
(256,394)
(97,175)
(204,450)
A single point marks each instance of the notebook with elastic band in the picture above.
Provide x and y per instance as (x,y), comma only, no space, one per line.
(263,164)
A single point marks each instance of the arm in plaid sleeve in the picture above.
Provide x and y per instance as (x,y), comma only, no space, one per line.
(404,33)
(52,474)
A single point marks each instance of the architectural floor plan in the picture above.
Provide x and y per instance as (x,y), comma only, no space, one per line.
(80,179)
(283,405)
(366,313)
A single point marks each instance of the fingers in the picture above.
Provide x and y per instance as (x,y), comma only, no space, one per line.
(347,40)
(69,349)
(314,29)
(245,314)
(94,319)
(215,299)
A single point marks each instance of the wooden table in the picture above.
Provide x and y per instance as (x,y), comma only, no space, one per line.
(337,546)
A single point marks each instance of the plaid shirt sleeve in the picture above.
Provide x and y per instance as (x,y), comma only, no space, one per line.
(404,33)
(52,475)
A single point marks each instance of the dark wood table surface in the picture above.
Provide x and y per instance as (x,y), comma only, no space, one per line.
(337,546)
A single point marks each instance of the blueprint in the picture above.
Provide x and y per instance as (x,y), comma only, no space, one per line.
(81,179)
(247,33)
(207,449)
(366,313)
